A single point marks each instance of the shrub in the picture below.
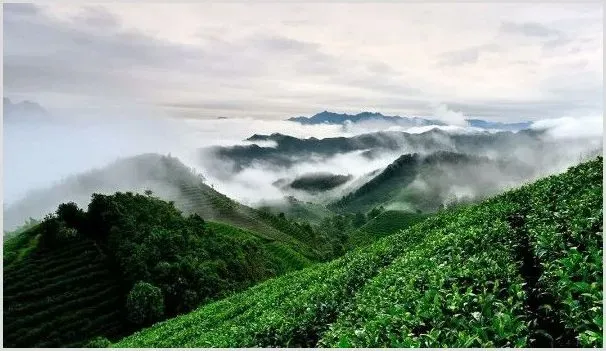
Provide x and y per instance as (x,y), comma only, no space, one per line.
(145,304)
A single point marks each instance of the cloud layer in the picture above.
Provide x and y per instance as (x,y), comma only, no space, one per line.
(272,61)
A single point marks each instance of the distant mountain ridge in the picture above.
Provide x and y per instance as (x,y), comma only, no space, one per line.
(327,117)
(24,110)
(426,182)
(289,150)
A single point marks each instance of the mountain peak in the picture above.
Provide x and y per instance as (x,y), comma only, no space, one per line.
(24,110)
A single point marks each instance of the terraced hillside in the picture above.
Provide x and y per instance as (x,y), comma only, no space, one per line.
(520,269)
(70,278)
(387,222)
(201,199)
(283,257)
(61,297)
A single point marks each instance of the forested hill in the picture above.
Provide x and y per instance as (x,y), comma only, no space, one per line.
(522,269)
(127,261)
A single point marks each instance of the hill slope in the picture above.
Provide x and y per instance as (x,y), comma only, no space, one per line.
(68,278)
(170,180)
(426,182)
(59,297)
(387,222)
(521,269)
(310,212)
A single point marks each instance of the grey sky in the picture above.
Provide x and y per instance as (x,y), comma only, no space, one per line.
(494,61)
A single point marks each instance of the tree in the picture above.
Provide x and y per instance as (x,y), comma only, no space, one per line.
(71,214)
(49,229)
(359,220)
(145,303)
(148,192)
(340,223)
(102,214)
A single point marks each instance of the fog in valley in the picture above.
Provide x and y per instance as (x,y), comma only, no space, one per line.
(44,158)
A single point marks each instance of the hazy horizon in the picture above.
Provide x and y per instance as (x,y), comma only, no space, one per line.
(499,62)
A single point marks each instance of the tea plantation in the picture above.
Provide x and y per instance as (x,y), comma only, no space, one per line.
(523,269)
(61,298)
(67,279)
(385,223)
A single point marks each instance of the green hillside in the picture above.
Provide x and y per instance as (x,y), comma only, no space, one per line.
(170,180)
(416,182)
(71,277)
(60,297)
(521,269)
(201,199)
(298,210)
(387,222)
(382,188)
(283,257)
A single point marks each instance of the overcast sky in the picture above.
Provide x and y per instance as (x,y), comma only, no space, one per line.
(502,62)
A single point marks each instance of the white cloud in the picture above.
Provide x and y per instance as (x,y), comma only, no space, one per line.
(444,114)
(395,58)
(589,127)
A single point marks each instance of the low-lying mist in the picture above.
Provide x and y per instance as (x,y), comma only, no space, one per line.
(41,154)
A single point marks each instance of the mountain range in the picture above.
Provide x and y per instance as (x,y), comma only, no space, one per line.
(327,117)
(289,150)
(80,277)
